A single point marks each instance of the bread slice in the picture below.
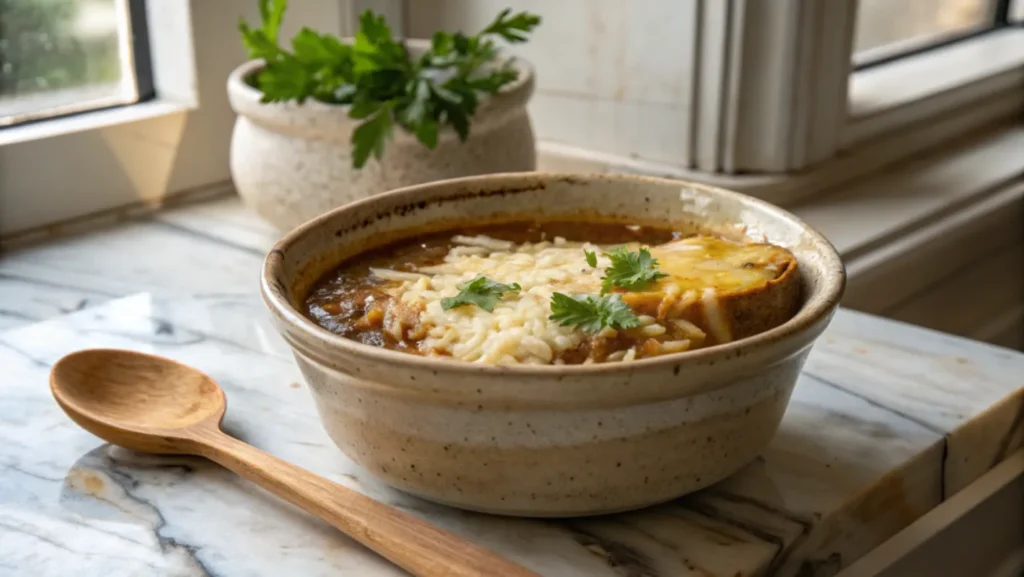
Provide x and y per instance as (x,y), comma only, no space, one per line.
(718,291)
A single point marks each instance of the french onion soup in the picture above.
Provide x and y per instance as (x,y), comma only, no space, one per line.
(557,293)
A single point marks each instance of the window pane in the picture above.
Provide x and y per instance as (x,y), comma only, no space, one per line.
(63,56)
(1016,14)
(885,27)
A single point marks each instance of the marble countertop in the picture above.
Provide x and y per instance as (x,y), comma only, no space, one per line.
(887,421)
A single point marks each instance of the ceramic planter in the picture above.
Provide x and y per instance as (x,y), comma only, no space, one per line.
(549,440)
(291,162)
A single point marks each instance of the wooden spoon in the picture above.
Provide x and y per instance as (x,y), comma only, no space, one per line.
(154,404)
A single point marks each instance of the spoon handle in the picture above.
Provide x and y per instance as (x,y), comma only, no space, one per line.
(407,541)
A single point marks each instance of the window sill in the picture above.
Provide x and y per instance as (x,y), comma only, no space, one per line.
(91,121)
(901,229)
(893,95)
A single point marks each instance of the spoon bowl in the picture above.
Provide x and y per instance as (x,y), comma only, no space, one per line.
(138,401)
(154,404)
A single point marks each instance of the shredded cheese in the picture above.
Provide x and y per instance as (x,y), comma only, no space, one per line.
(518,330)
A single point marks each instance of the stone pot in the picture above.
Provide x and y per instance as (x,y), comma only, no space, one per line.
(292,162)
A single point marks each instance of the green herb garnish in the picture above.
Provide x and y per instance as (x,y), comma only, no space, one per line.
(592,313)
(380,80)
(481,291)
(630,270)
(591,257)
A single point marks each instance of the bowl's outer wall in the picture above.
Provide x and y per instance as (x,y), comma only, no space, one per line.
(494,458)
(550,441)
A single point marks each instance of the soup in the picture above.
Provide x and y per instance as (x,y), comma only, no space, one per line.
(557,293)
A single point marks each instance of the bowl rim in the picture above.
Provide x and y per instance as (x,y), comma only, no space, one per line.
(814,310)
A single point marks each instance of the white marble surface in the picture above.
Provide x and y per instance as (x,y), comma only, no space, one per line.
(886,422)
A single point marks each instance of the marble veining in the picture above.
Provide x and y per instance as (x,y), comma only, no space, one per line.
(886,422)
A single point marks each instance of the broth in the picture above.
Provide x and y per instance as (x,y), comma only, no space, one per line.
(357,303)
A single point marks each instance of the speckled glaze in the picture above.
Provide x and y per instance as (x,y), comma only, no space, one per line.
(292,162)
(549,441)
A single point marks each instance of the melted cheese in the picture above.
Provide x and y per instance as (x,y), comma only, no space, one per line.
(518,330)
(700,262)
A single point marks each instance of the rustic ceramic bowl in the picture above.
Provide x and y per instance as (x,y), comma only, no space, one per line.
(291,162)
(549,440)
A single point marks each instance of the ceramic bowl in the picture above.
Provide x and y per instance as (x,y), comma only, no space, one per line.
(291,162)
(549,440)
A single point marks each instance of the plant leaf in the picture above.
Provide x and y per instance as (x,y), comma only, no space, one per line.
(374,49)
(281,81)
(370,136)
(257,44)
(630,270)
(272,14)
(313,48)
(591,258)
(493,82)
(427,133)
(592,313)
(481,291)
(373,28)
(515,28)
(363,108)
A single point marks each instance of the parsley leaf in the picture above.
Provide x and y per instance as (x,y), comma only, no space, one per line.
(272,14)
(591,258)
(374,50)
(481,291)
(315,49)
(262,42)
(592,313)
(377,76)
(630,270)
(370,136)
(515,28)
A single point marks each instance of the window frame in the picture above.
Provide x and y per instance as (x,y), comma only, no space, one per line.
(904,94)
(129,158)
(141,70)
(832,115)
(145,89)
(801,135)
(775,93)
(880,56)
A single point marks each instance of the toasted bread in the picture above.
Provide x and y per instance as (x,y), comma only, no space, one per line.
(725,289)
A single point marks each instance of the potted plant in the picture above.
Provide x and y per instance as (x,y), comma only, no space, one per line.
(331,121)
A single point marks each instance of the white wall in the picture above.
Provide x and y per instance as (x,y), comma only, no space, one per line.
(613,75)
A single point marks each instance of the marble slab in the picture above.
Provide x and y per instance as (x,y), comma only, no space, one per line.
(865,449)
(942,382)
(886,422)
(201,250)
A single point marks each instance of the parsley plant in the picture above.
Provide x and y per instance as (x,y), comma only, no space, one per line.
(381,82)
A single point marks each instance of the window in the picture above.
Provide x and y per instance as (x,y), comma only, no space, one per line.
(887,30)
(762,91)
(60,57)
(759,96)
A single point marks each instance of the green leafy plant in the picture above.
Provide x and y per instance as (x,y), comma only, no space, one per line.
(383,84)
(481,291)
(592,313)
(629,270)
